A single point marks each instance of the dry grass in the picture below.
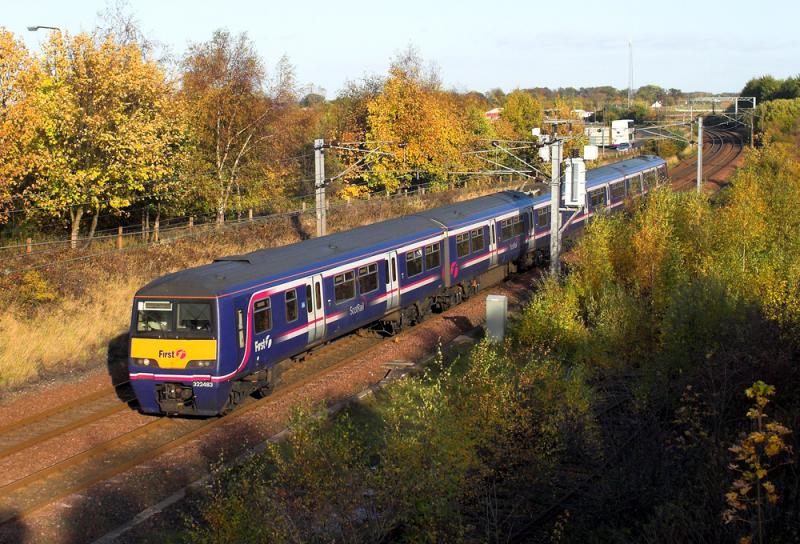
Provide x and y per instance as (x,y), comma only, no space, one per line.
(85,305)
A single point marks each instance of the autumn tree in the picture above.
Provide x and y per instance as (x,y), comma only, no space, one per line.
(111,128)
(413,111)
(224,81)
(523,113)
(18,117)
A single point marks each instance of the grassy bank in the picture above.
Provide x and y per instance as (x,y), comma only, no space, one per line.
(632,388)
(66,316)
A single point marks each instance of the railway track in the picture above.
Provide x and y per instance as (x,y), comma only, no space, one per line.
(115,455)
(720,148)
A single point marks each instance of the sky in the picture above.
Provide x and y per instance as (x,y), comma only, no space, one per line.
(699,45)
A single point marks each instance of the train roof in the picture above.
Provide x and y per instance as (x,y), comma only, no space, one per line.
(262,267)
(475,209)
(609,172)
(237,272)
(265,266)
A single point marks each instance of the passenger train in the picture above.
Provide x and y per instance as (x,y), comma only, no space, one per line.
(203,339)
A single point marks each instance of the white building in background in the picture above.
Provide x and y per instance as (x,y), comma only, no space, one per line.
(620,132)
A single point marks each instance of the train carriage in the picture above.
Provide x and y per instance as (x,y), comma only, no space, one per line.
(204,338)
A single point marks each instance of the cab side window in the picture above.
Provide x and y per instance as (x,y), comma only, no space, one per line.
(262,315)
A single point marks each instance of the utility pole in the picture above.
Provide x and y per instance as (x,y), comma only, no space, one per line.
(700,154)
(630,73)
(319,186)
(555,205)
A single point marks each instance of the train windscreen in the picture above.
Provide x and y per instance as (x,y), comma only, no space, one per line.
(189,319)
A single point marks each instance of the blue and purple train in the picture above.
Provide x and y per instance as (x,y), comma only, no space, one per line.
(204,338)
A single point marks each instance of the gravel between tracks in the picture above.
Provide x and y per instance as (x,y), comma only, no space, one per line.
(88,515)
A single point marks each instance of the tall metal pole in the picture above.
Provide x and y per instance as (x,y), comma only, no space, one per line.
(319,185)
(699,154)
(555,204)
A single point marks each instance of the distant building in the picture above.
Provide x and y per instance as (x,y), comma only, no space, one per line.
(657,104)
(620,132)
(493,114)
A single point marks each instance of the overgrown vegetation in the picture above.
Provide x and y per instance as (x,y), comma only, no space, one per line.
(619,410)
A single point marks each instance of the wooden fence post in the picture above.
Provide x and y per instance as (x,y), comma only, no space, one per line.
(119,237)
(28,246)
(191,222)
(250,214)
(304,205)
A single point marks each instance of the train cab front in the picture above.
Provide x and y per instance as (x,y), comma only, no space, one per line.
(173,361)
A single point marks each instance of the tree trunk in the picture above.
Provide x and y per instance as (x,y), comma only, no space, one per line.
(93,226)
(157,224)
(75,216)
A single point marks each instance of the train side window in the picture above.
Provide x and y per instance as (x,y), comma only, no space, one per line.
(617,191)
(240,327)
(368,278)
(597,198)
(432,256)
(414,262)
(506,230)
(518,225)
(388,279)
(262,315)
(477,240)
(318,294)
(309,302)
(635,186)
(493,238)
(344,286)
(291,305)
(462,244)
(543,217)
(394,269)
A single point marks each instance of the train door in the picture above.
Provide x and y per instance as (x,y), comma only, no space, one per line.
(315,306)
(392,281)
(492,243)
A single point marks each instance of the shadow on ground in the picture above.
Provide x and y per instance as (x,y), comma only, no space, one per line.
(117,366)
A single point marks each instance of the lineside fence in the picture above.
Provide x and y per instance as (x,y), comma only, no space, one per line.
(32,255)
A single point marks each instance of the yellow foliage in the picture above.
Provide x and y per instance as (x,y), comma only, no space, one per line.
(427,124)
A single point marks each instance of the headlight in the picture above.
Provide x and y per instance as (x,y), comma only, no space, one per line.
(201,364)
(152,363)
